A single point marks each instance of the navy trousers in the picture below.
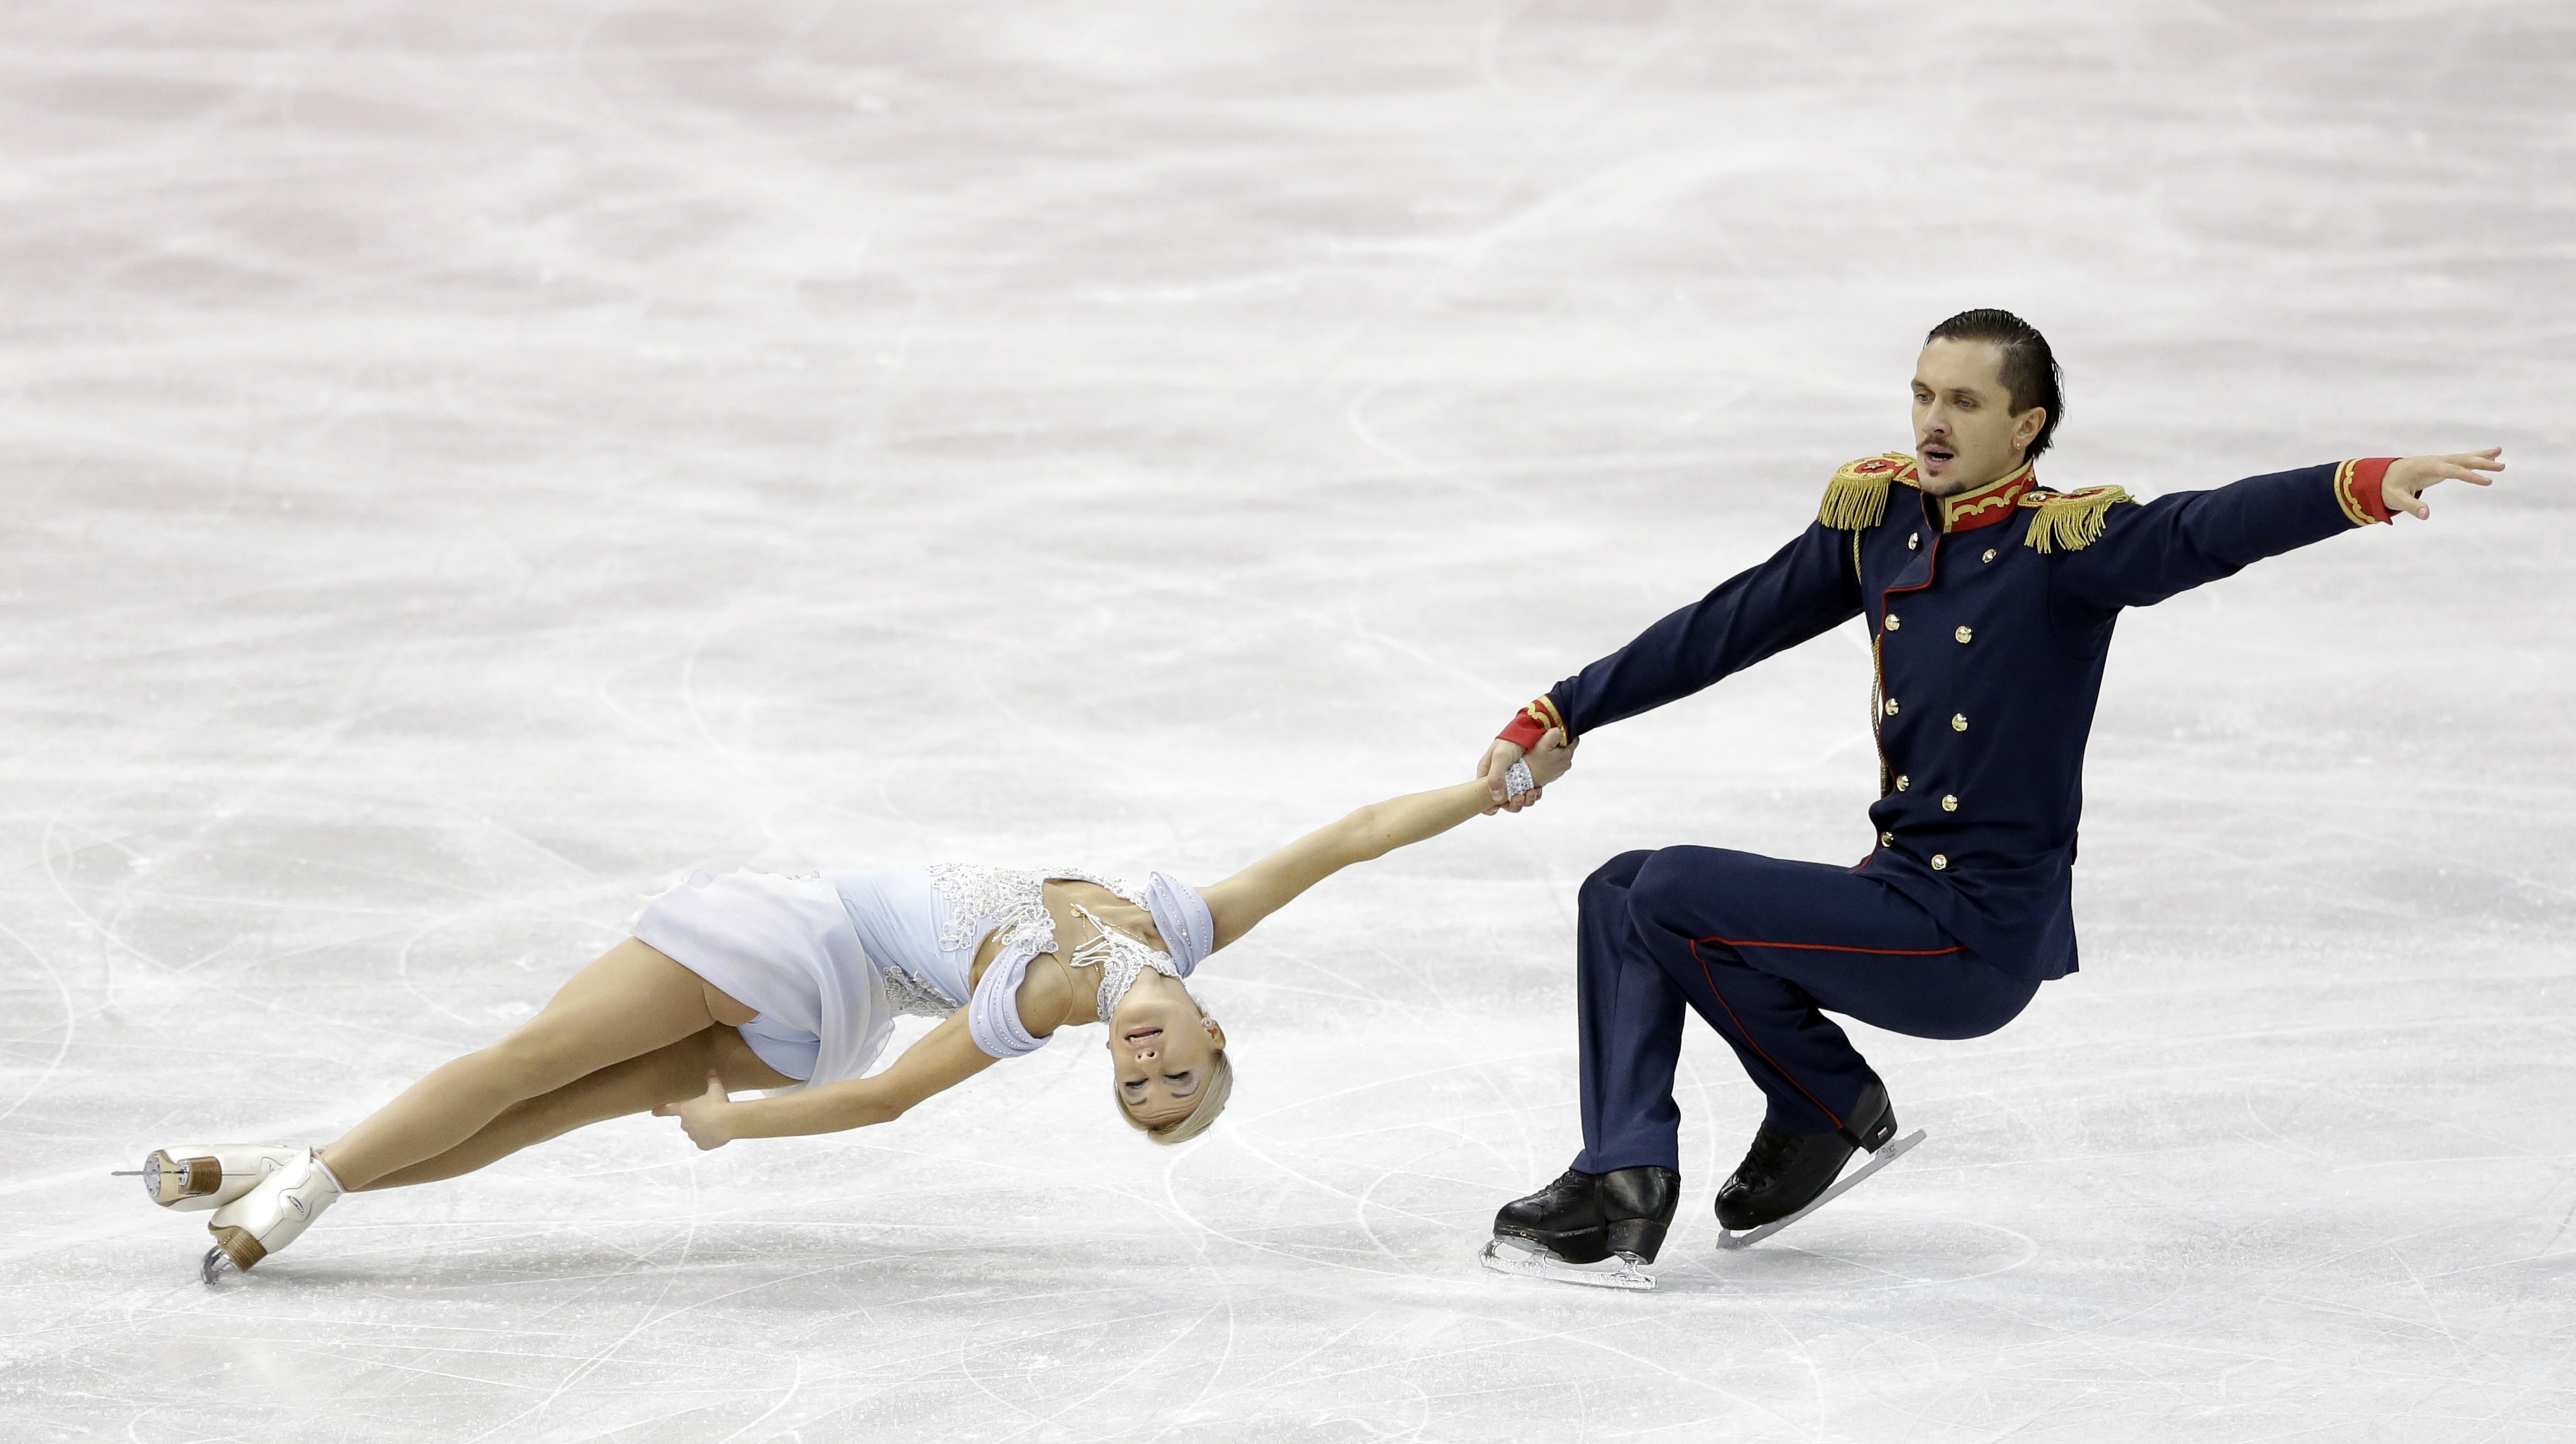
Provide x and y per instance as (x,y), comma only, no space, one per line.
(1756,947)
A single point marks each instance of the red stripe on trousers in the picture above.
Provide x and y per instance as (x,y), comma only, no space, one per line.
(1749,1040)
(1832,948)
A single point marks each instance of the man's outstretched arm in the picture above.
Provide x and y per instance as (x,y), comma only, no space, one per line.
(1805,589)
(2186,539)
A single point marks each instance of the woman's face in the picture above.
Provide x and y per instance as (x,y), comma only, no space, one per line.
(1162,1048)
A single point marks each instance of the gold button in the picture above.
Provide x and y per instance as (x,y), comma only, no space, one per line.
(1903,782)
(1914,541)
(1958,721)
(1891,621)
(1887,839)
(1940,862)
(1965,636)
(1990,554)
(1891,706)
(1950,803)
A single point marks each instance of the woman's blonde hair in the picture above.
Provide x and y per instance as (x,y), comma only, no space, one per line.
(1212,1096)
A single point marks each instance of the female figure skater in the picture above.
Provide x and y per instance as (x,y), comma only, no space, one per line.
(757,981)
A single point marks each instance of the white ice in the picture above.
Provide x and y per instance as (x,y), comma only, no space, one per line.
(468,465)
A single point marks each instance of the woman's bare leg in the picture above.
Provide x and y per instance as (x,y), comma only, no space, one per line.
(631,1001)
(638,1085)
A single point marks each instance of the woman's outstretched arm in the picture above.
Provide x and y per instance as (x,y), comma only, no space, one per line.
(939,1060)
(1244,899)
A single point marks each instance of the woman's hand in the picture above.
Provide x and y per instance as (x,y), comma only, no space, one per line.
(707,1118)
(1548,763)
(2407,481)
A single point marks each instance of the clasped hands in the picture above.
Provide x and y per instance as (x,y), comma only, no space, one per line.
(1548,761)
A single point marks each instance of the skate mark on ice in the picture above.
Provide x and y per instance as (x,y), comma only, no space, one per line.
(1612,1314)
(71,1022)
(1742,1276)
(795,1386)
(1286,1365)
(1214,1369)
(1031,1419)
(1359,1215)
(402,973)
(1302,1104)
(647,1318)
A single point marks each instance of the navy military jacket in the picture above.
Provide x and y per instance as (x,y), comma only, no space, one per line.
(1990,614)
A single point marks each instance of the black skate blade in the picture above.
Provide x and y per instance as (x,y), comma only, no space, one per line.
(1887,1154)
(1523,1259)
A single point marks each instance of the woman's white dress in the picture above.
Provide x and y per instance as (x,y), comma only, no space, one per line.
(830,958)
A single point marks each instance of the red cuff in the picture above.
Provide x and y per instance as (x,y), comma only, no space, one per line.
(2356,488)
(1532,723)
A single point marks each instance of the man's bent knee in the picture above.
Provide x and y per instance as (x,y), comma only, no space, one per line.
(1611,877)
(1673,889)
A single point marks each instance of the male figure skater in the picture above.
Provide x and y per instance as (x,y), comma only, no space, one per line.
(1990,603)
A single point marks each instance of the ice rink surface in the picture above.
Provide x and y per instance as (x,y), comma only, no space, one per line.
(467,467)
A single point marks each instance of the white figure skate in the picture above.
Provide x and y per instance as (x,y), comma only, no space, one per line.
(197,1176)
(270,1216)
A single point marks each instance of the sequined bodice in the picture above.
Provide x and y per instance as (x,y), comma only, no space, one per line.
(1011,905)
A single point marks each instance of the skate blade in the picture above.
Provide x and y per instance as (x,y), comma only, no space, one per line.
(1887,1154)
(1525,1260)
(175,1181)
(235,1252)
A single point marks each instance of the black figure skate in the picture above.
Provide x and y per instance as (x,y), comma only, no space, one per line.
(1599,1229)
(1788,1175)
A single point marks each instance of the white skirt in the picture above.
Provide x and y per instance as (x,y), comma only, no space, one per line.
(782,945)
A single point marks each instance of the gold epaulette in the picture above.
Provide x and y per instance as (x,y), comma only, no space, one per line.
(1857,496)
(2070,519)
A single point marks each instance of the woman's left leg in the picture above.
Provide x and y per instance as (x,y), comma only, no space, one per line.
(631,1001)
(638,1085)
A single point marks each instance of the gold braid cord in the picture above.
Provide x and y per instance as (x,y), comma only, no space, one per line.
(2347,490)
(2072,519)
(1857,496)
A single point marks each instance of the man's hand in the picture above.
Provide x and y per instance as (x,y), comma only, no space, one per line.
(2402,489)
(1548,763)
(705,1117)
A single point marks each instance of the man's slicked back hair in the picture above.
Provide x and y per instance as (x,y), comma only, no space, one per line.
(2030,371)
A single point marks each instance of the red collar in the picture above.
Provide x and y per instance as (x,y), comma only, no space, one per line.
(1988,504)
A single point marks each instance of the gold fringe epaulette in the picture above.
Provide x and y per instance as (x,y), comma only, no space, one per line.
(2069,519)
(1857,496)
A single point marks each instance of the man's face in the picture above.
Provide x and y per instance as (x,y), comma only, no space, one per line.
(1965,432)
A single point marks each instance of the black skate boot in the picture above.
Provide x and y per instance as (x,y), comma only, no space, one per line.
(1786,1173)
(1564,1218)
(1588,1228)
(1637,1204)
